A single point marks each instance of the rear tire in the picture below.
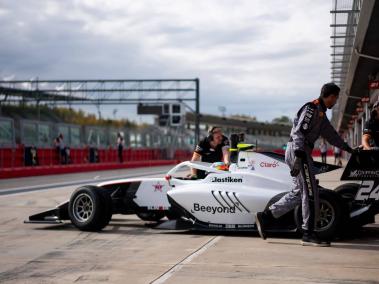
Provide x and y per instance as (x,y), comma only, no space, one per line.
(332,215)
(90,208)
(348,191)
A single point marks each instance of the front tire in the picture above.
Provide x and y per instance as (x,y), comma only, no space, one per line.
(90,208)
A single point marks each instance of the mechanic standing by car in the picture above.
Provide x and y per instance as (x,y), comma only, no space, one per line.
(310,122)
(370,136)
(213,148)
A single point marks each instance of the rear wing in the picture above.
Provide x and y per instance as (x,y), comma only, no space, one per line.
(362,165)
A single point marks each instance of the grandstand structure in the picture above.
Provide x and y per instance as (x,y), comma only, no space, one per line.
(355,64)
(24,125)
(22,133)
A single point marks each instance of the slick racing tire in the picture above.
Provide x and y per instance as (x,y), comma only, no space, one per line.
(151,216)
(90,208)
(332,215)
(348,191)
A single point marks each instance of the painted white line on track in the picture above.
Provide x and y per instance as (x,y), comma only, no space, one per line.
(169,273)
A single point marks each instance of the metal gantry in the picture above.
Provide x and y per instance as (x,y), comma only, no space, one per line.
(355,29)
(345,16)
(103,92)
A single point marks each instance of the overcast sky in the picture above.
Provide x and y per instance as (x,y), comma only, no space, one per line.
(261,58)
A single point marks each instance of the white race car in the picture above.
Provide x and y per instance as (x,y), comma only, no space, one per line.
(225,199)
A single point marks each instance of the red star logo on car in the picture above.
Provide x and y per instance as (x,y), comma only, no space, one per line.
(158,187)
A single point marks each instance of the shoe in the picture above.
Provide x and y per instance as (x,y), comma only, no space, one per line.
(310,239)
(260,223)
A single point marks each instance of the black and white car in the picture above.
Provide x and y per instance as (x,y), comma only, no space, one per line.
(225,200)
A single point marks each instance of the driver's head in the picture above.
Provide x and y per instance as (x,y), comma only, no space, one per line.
(329,94)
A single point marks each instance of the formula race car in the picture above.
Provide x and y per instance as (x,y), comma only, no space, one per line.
(225,200)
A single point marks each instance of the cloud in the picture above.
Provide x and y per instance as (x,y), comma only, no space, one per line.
(263,58)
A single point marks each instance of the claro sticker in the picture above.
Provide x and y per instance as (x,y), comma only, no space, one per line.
(273,164)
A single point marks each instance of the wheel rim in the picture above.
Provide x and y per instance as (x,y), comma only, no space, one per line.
(326,217)
(83,207)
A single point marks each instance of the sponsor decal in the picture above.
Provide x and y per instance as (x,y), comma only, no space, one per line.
(215,226)
(231,226)
(364,174)
(245,226)
(269,165)
(308,179)
(227,179)
(213,209)
(158,187)
(307,118)
(369,190)
(157,208)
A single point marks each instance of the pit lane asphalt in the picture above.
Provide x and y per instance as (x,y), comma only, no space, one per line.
(131,251)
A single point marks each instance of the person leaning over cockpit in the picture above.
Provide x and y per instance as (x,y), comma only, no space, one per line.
(211,149)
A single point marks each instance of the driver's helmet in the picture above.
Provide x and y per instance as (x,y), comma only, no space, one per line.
(221,166)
